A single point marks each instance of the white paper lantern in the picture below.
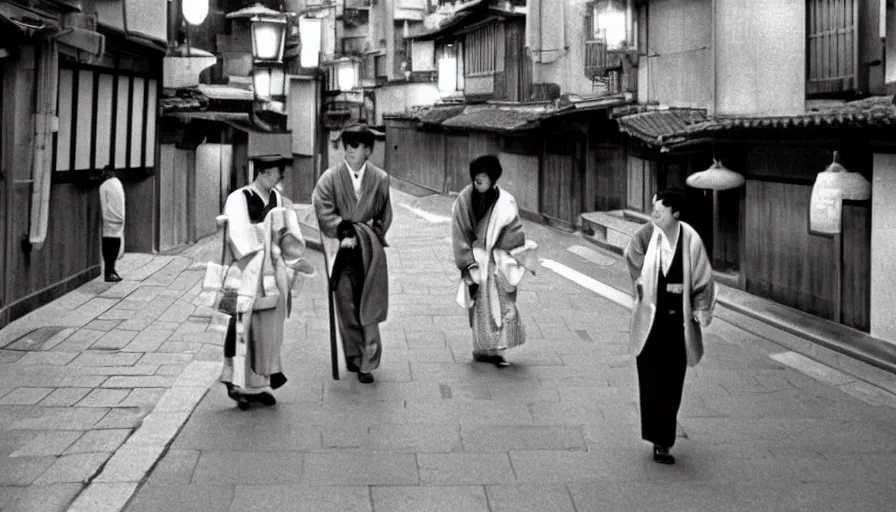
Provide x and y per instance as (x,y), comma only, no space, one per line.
(717,177)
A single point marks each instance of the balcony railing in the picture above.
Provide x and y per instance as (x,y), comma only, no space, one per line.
(595,58)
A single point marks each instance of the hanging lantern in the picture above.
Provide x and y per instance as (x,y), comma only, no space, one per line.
(853,186)
(194,11)
(717,177)
(832,186)
(268,31)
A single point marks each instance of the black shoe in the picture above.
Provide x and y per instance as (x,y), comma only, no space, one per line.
(278,380)
(264,399)
(352,367)
(500,362)
(243,403)
(482,358)
(232,393)
(661,455)
(113,278)
(365,378)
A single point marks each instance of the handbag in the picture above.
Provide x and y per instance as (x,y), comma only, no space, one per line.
(221,282)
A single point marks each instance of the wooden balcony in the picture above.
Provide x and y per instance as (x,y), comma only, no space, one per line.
(595,58)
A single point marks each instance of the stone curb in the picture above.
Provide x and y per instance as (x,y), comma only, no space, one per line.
(113,487)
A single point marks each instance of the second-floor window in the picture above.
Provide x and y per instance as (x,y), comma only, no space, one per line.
(832,46)
(612,22)
(484,50)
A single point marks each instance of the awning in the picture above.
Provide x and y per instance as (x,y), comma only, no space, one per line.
(261,142)
(464,19)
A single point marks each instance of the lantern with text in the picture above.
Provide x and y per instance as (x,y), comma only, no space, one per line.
(832,186)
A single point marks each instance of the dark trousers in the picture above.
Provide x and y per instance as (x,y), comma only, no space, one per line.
(361,345)
(111,247)
(661,369)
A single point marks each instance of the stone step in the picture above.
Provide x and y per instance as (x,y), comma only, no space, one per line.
(612,230)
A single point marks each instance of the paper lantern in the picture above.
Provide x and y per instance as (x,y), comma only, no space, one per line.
(717,177)
(853,186)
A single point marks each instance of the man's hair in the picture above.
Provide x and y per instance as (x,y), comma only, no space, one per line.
(108,172)
(358,134)
(486,164)
(674,199)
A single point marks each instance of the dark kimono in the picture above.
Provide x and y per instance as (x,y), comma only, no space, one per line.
(359,279)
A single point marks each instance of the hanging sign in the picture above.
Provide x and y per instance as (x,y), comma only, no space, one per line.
(826,205)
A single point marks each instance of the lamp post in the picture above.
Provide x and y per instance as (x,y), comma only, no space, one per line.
(194,12)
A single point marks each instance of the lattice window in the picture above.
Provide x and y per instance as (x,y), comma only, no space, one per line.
(484,50)
(832,45)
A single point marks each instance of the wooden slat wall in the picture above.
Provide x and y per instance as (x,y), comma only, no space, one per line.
(457,161)
(855,296)
(562,181)
(416,156)
(832,28)
(607,178)
(518,70)
(782,261)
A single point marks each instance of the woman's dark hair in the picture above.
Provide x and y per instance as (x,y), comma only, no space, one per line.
(108,172)
(488,165)
(674,199)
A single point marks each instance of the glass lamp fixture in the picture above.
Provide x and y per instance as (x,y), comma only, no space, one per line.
(194,11)
(269,81)
(268,29)
(346,74)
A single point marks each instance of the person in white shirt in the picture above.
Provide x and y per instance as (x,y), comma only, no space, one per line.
(113,207)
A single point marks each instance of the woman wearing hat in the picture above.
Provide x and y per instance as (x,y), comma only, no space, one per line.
(266,245)
(493,255)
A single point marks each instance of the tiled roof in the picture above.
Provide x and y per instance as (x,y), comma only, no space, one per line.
(669,127)
(438,115)
(495,118)
(658,126)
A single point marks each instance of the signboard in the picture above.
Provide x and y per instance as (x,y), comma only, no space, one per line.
(825,206)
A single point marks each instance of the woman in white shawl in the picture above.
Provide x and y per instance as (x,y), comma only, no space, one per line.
(492,254)
(674,297)
(265,243)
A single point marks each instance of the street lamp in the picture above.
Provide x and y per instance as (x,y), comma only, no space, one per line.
(194,11)
(346,74)
(611,22)
(269,81)
(268,29)
(309,35)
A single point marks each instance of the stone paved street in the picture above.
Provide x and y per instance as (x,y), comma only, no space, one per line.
(761,427)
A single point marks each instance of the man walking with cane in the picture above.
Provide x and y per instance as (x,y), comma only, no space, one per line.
(354,212)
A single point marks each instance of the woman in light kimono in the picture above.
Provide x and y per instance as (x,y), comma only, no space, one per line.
(492,254)
(674,296)
(265,243)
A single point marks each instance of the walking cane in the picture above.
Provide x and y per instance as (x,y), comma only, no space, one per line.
(334,350)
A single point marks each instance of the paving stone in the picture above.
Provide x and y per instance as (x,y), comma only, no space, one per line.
(159,428)
(430,499)
(176,467)
(123,417)
(171,369)
(359,468)
(465,468)
(159,358)
(103,398)
(175,498)
(44,498)
(104,497)
(223,467)
(99,441)
(77,467)
(140,320)
(10,356)
(148,340)
(22,471)
(64,397)
(180,399)
(81,381)
(114,340)
(107,324)
(136,370)
(49,443)
(130,463)
(46,358)
(143,397)
(507,438)
(139,382)
(530,498)
(62,418)
(85,313)
(559,466)
(301,499)
(79,341)
(415,438)
(25,396)
(105,359)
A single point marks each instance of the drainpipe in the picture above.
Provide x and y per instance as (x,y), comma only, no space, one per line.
(714,58)
(45,124)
